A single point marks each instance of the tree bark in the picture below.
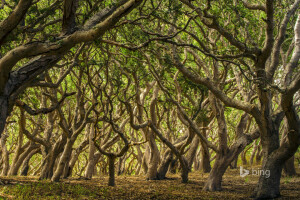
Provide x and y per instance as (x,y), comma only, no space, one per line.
(111,168)
(254,152)
(12,83)
(214,181)
(268,187)
(69,14)
(205,155)
(164,165)
(154,152)
(289,167)
(15,168)
(168,156)
(89,171)
(3,112)
(205,159)
(50,156)
(63,160)
(154,158)
(192,152)
(74,157)
(25,166)
(276,154)
(8,25)
(5,155)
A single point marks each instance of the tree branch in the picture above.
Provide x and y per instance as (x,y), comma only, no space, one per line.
(280,39)
(11,22)
(254,6)
(31,111)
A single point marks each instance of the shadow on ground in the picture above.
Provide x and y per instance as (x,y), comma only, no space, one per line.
(136,187)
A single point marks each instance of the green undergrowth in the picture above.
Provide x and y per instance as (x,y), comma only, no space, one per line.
(48,190)
(138,188)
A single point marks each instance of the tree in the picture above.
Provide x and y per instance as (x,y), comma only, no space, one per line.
(149,85)
(264,62)
(13,82)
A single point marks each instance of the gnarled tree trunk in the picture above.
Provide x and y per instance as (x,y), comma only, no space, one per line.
(50,156)
(289,167)
(15,168)
(63,160)
(111,170)
(192,152)
(5,155)
(205,155)
(164,165)
(214,181)
(25,166)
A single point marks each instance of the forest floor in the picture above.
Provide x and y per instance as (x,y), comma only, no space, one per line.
(136,187)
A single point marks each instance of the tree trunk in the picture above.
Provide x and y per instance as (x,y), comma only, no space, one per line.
(5,155)
(154,159)
(224,159)
(45,168)
(121,163)
(242,125)
(164,165)
(4,112)
(50,156)
(75,156)
(222,162)
(48,165)
(268,186)
(139,160)
(154,152)
(185,170)
(197,160)
(89,171)
(289,167)
(205,160)
(173,166)
(18,153)
(93,157)
(168,156)
(15,168)
(67,170)
(274,158)
(253,153)
(145,159)
(205,155)
(111,168)
(192,152)
(214,181)
(25,166)
(258,156)
(137,169)
(243,158)
(63,160)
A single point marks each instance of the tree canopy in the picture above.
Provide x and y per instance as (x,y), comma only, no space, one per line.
(154,86)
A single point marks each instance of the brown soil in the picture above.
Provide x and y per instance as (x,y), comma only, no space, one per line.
(136,187)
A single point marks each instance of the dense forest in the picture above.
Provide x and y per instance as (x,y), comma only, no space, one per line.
(184,93)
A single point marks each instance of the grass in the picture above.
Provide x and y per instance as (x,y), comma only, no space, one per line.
(136,187)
